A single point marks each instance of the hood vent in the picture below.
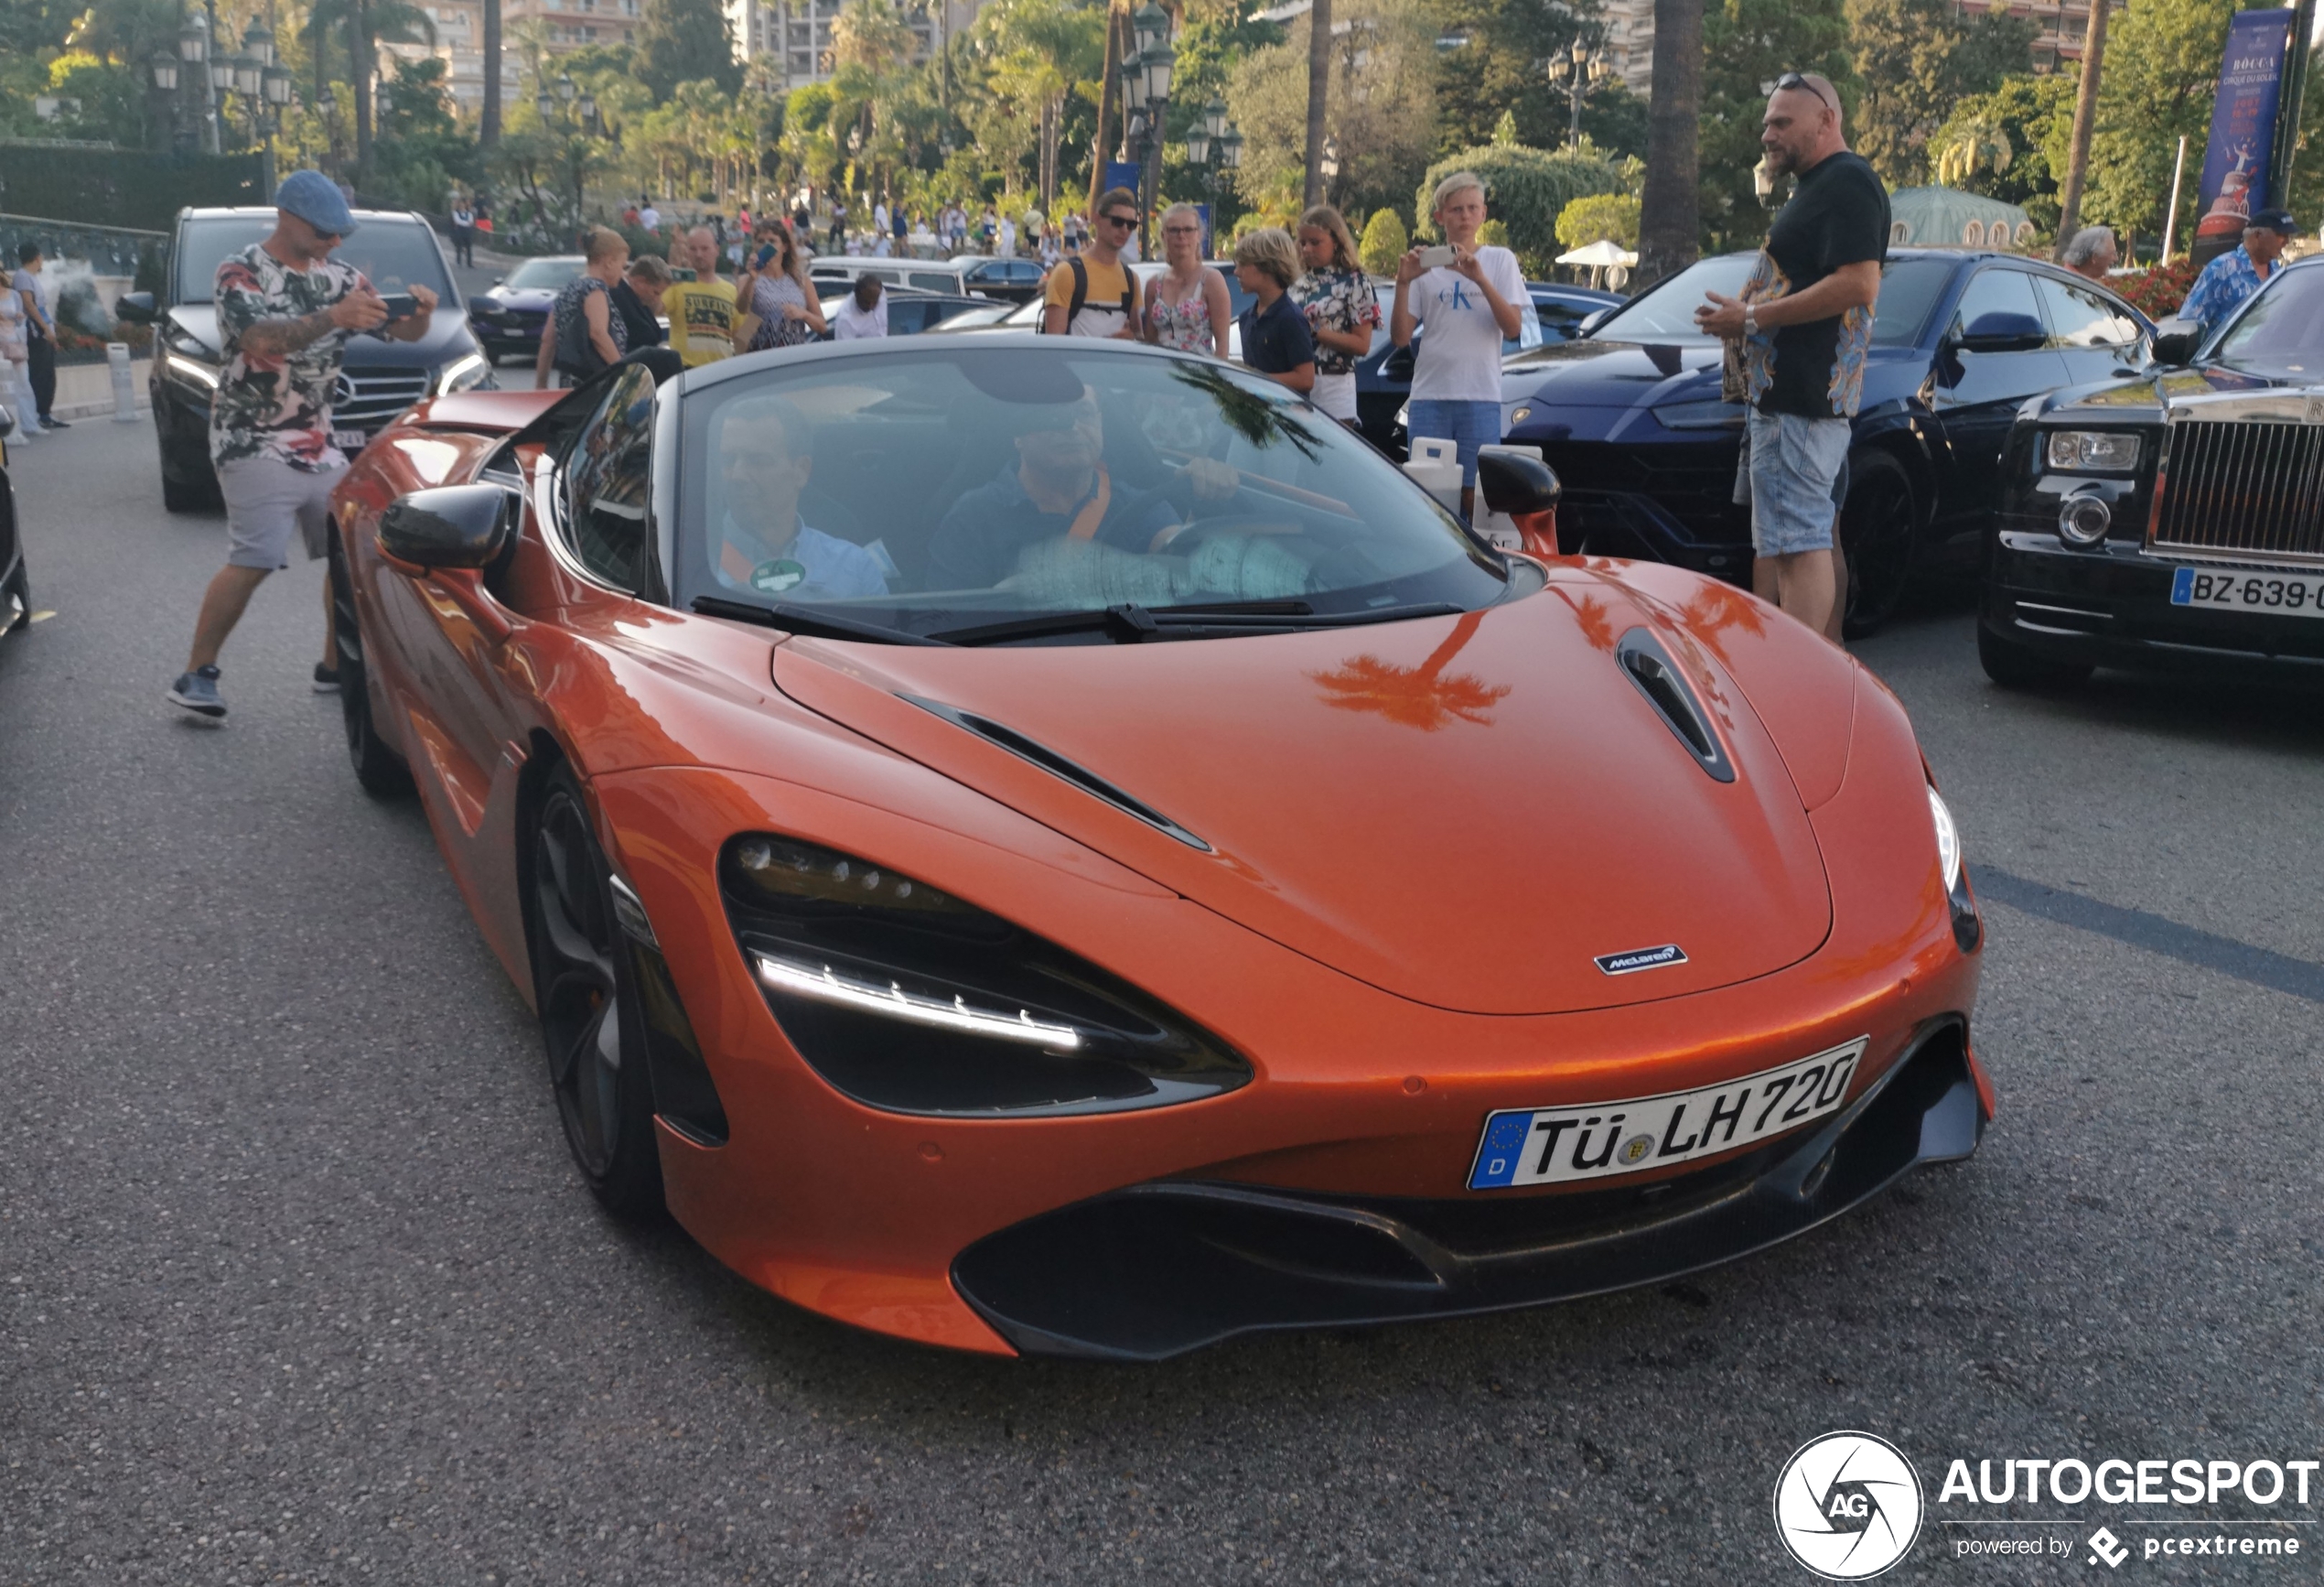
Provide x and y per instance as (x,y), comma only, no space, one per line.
(1058,766)
(1649,667)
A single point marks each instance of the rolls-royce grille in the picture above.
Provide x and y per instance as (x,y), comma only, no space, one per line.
(368,401)
(2238,490)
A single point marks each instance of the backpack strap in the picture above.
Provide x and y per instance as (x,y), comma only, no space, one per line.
(1080,293)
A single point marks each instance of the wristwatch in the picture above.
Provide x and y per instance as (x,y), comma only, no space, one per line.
(1750,320)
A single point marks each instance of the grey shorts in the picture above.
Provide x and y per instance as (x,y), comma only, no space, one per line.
(266,502)
(1796,466)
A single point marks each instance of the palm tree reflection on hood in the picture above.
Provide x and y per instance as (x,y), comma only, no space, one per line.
(1425,696)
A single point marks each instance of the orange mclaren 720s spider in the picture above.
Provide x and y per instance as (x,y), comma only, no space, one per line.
(1058,846)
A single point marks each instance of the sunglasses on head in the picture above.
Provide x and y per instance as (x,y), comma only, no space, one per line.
(1793,80)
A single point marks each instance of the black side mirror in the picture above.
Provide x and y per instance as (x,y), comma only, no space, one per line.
(1515,484)
(137,308)
(2176,340)
(450,526)
(2002,333)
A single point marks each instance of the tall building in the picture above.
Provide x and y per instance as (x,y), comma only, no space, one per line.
(2064,25)
(796,33)
(459,44)
(1630,42)
(575,23)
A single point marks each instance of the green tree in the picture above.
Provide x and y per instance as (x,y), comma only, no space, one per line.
(1916,60)
(1527,189)
(2031,118)
(1380,110)
(1600,218)
(1384,241)
(2162,69)
(684,40)
(1747,43)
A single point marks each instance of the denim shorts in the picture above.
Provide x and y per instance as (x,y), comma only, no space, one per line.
(1796,467)
(1467,424)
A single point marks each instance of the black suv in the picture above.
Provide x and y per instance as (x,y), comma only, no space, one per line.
(378,380)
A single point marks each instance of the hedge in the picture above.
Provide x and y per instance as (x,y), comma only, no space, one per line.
(131,187)
(1525,189)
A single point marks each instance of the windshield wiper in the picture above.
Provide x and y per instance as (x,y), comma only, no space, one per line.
(1132,625)
(814,625)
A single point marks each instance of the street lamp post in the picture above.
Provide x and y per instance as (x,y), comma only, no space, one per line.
(1146,89)
(1587,68)
(193,51)
(1213,136)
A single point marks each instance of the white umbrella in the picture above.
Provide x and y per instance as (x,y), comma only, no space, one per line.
(1599,255)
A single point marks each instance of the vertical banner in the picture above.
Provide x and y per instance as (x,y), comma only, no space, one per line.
(1210,240)
(1129,173)
(2251,81)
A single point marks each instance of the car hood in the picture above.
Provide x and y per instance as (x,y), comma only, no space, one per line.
(515,297)
(1466,812)
(2145,395)
(447,337)
(1610,374)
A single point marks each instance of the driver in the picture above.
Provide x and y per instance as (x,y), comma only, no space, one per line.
(765,455)
(1058,486)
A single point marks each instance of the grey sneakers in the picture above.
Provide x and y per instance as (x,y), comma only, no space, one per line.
(198,692)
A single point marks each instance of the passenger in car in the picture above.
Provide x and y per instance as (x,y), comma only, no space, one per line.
(1058,486)
(765,457)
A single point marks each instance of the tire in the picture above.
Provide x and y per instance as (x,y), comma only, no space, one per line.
(1878,523)
(380,770)
(591,1026)
(196,495)
(15,601)
(2018,666)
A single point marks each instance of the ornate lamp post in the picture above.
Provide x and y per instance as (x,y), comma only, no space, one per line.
(193,50)
(1146,89)
(1587,68)
(1214,136)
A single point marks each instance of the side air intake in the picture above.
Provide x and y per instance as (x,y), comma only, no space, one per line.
(1056,765)
(1649,667)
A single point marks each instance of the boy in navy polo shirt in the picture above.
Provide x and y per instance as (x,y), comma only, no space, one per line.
(1276,339)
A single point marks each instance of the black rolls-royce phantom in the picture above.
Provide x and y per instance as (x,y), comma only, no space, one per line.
(2175,519)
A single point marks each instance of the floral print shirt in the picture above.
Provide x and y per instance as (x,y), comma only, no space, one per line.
(277,406)
(1336,299)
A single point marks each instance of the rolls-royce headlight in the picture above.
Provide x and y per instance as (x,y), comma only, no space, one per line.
(2083,519)
(906,998)
(462,373)
(2092,452)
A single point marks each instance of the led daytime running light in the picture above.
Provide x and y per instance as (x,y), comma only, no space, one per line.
(187,366)
(895,1003)
(1948,842)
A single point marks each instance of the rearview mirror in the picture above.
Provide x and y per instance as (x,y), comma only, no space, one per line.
(1514,483)
(450,526)
(137,308)
(2002,333)
(2176,340)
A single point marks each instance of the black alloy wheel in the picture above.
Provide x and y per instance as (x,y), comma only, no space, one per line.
(2019,666)
(380,770)
(1876,525)
(585,989)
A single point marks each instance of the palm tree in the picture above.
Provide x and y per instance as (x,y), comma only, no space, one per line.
(364,26)
(1670,219)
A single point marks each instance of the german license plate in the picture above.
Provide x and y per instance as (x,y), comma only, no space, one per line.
(1602,1139)
(348,441)
(2240,590)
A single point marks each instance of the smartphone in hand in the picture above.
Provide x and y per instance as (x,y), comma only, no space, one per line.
(1439,257)
(399,306)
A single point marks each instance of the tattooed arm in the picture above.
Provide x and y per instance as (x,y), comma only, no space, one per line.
(361,309)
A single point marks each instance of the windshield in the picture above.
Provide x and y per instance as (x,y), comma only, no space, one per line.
(393,255)
(945,491)
(549,274)
(1909,289)
(2282,332)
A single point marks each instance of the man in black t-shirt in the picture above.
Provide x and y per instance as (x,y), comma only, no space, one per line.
(1805,322)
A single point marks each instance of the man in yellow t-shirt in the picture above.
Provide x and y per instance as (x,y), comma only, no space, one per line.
(702,311)
(1093,294)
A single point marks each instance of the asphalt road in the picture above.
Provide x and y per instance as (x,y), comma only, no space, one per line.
(296,1283)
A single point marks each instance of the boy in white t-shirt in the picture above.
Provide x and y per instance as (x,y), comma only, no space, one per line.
(1470,307)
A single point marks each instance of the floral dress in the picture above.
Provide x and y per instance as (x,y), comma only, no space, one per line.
(1185,325)
(1336,299)
(767,300)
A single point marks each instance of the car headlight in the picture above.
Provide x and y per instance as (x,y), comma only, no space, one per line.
(462,372)
(201,373)
(1521,412)
(2091,451)
(906,998)
(1710,415)
(1968,931)
(1404,416)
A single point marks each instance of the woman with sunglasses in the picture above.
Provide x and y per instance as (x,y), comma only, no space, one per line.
(1187,307)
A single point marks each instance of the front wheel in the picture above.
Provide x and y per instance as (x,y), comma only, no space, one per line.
(380,770)
(15,601)
(586,991)
(1877,533)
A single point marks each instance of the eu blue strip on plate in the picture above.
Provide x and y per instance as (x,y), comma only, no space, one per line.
(2182,587)
(1497,1160)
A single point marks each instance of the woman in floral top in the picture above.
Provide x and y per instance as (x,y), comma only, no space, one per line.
(1343,310)
(779,292)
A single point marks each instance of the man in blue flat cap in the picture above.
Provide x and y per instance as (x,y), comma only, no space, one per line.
(285,308)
